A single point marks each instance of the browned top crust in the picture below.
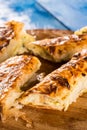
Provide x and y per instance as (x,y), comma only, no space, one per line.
(12,71)
(8,32)
(62,81)
(59,49)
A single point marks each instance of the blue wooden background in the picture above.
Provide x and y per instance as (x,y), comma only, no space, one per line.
(61,14)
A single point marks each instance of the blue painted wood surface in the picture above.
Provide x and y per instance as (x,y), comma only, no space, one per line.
(29,12)
(62,14)
(72,13)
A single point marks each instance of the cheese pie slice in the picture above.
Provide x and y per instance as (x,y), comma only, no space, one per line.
(15,73)
(12,38)
(58,49)
(61,87)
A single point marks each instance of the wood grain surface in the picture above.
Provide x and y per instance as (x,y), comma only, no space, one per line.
(73,119)
(40,34)
(44,119)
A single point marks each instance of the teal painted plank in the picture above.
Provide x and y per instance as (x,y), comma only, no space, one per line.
(72,13)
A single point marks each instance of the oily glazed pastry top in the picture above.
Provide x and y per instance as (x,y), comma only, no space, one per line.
(12,38)
(58,49)
(61,87)
(15,73)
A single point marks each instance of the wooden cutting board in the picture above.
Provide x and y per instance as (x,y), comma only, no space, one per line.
(44,119)
(74,119)
(40,34)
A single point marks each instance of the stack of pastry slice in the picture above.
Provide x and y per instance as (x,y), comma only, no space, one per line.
(58,89)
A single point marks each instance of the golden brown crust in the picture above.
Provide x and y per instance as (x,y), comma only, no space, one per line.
(58,49)
(15,73)
(9,31)
(13,70)
(12,38)
(64,77)
(61,87)
(16,27)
